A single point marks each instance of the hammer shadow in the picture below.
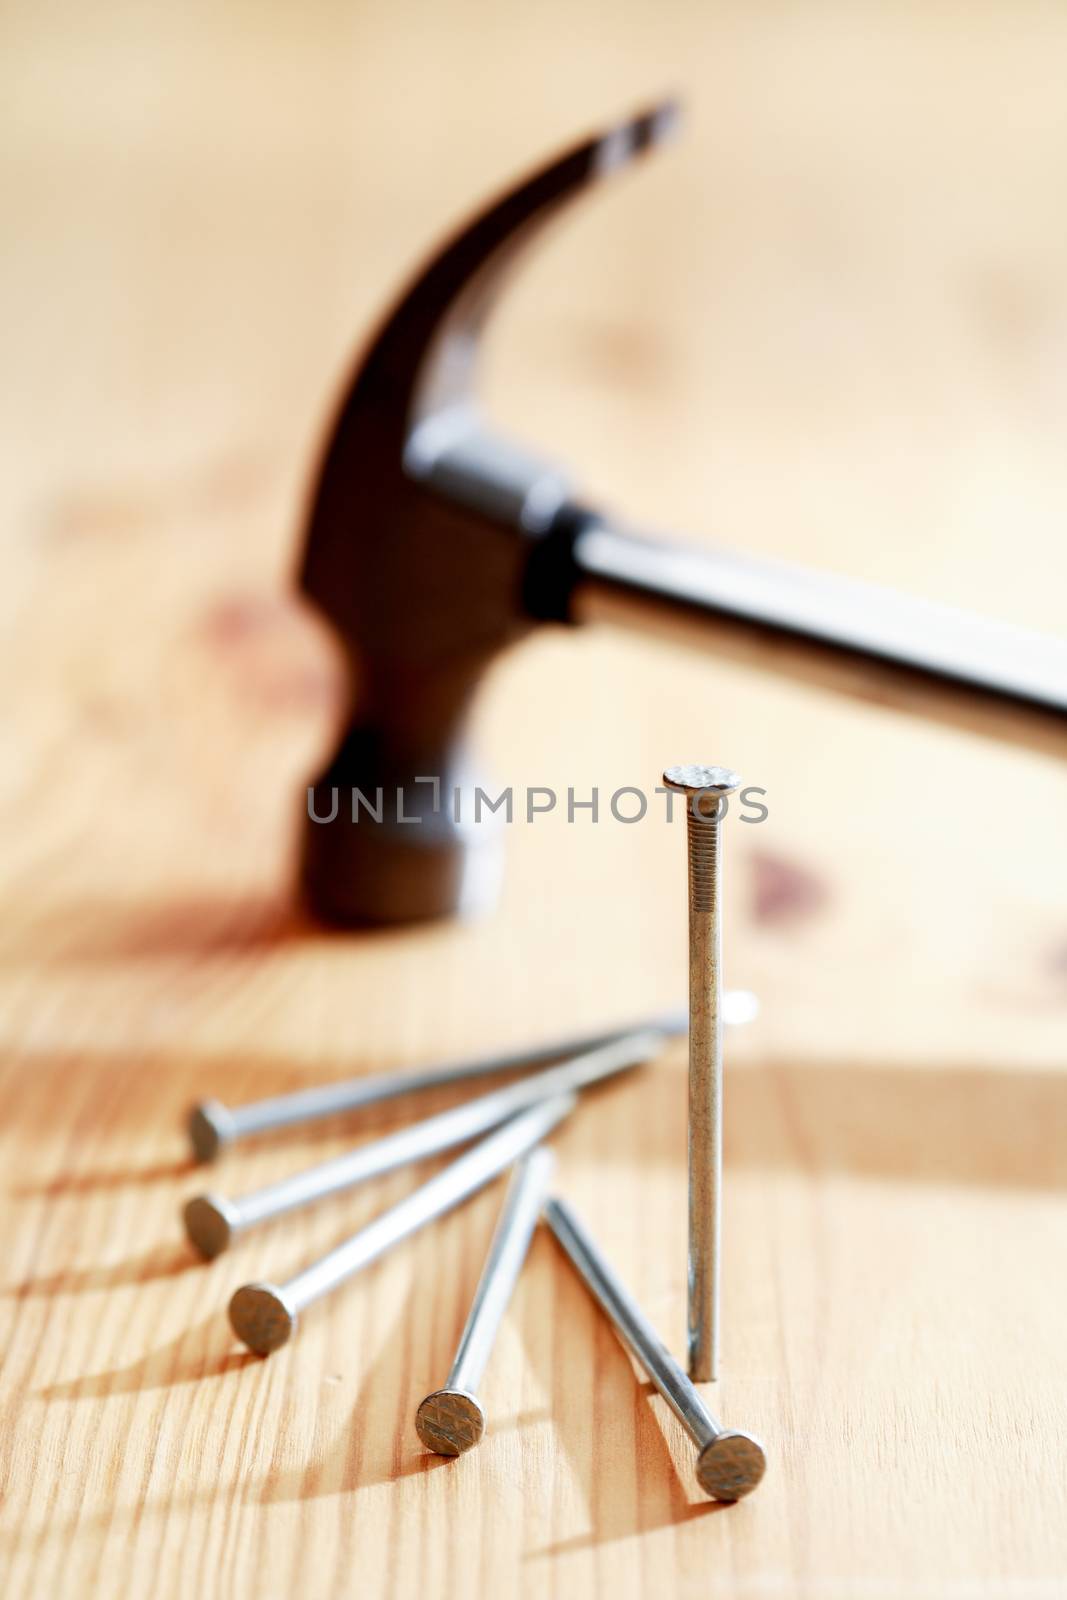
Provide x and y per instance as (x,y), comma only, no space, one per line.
(961,1124)
(195,926)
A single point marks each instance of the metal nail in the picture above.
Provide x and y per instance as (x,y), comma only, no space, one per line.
(212,1221)
(729,1463)
(705,1056)
(264,1315)
(451,1419)
(212,1125)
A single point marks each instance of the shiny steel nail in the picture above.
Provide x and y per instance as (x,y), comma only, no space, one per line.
(264,1315)
(452,1419)
(212,1125)
(729,1464)
(705,1055)
(212,1221)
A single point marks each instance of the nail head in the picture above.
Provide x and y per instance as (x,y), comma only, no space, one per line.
(210,1127)
(450,1421)
(695,779)
(210,1223)
(261,1317)
(731,1465)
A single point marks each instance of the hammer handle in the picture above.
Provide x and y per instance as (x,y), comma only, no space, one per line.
(912,655)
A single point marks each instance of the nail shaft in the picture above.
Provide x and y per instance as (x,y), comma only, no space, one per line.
(264,1315)
(507,1252)
(451,1419)
(212,1125)
(213,1221)
(703,828)
(729,1463)
(705,1099)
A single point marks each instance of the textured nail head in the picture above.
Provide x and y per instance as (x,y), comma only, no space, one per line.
(210,1224)
(261,1317)
(731,1466)
(450,1421)
(702,780)
(210,1128)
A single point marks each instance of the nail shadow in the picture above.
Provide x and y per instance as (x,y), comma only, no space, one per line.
(159,1369)
(83,1280)
(614,1513)
(649,1440)
(364,1454)
(198,925)
(422,1460)
(76,1183)
(345,1466)
(25,1535)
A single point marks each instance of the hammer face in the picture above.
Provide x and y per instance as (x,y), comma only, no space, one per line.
(425,600)
(384,845)
(418,551)
(359,877)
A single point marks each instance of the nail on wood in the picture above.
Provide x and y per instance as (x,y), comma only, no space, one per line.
(264,1315)
(452,1418)
(729,1463)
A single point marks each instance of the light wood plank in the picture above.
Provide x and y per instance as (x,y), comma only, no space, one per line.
(829,325)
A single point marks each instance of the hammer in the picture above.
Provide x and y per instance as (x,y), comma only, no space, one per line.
(433,544)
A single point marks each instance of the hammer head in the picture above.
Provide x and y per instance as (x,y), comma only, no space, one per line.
(430,547)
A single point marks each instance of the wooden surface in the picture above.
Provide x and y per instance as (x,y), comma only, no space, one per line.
(830,324)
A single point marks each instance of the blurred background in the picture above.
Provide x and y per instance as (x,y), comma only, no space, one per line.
(829,323)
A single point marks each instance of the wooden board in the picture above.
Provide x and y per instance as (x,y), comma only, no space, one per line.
(829,325)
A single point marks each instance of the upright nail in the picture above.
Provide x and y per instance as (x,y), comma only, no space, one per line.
(699,785)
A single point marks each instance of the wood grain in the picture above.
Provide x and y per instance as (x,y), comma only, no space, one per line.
(830,325)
